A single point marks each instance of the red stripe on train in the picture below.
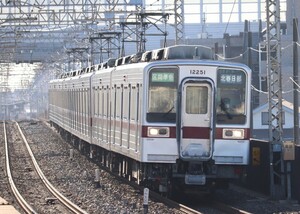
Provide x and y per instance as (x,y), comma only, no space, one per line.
(195,132)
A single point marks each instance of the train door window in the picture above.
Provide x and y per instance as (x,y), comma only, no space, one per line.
(65,100)
(81,108)
(86,110)
(105,102)
(73,107)
(94,100)
(99,102)
(133,118)
(62,99)
(76,107)
(107,111)
(124,113)
(119,112)
(162,94)
(83,101)
(138,113)
(139,100)
(126,102)
(118,102)
(86,100)
(231,96)
(133,103)
(113,113)
(113,102)
(196,99)
(100,112)
(129,106)
(58,98)
(68,98)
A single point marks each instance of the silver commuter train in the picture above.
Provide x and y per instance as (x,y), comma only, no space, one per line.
(172,119)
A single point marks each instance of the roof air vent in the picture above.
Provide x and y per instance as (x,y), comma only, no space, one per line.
(188,52)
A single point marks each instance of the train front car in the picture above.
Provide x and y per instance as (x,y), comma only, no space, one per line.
(196,122)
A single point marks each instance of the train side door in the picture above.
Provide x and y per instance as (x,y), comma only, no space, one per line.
(196,120)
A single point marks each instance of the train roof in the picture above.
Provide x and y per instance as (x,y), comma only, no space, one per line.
(177,52)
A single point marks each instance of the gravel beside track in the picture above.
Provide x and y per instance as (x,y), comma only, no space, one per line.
(254,202)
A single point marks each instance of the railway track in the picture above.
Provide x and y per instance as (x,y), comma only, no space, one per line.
(14,150)
(105,195)
(212,207)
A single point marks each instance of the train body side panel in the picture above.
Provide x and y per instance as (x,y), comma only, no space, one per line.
(126,100)
(100,108)
(233,152)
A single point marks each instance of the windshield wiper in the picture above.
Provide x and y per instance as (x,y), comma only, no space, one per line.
(168,112)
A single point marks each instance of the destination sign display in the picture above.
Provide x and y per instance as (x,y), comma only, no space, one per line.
(231,77)
(163,77)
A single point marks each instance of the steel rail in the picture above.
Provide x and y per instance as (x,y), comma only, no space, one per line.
(22,202)
(70,205)
(174,204)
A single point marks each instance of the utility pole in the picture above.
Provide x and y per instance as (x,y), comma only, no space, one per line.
(296,79)
(179,21)
(273,45)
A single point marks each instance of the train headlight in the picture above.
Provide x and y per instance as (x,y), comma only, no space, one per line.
(158,132)
(233,133)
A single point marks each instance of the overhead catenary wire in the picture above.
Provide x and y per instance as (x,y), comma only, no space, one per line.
(230,16)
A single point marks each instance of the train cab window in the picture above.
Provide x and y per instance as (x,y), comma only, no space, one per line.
(231,95)
(162,94)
